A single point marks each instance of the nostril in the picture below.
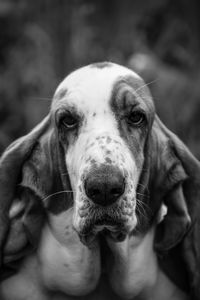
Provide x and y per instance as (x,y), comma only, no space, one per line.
(116,191)
(94,193)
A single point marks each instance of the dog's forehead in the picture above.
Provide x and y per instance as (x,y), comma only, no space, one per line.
(92,86)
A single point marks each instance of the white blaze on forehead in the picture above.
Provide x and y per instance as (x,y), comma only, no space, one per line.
(89,90)
(90,87)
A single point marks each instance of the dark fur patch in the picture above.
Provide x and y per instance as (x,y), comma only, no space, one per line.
(56,204)
(137,84)
(101,65)
(121,106)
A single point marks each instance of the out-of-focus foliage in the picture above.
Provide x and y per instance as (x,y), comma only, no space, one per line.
(43,40)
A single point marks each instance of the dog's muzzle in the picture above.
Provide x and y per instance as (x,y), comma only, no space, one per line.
(105,185)
(105,197)
(106,209)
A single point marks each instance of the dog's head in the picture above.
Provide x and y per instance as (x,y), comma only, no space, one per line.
(102,121)
(102,154)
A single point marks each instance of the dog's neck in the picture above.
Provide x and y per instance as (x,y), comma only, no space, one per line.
(133,271)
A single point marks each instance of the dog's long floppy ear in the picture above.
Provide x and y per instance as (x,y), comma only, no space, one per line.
(175,181)
(25,178)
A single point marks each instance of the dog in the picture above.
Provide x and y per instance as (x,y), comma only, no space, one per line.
(100,200)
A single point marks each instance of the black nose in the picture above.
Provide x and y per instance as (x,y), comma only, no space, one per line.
(105,185)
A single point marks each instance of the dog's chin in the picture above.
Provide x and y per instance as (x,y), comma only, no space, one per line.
(107,228)
(114,223)
(90,238)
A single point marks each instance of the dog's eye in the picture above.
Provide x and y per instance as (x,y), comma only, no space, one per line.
(69,121)
(136,118)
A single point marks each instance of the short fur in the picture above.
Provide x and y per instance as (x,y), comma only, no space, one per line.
(44,208)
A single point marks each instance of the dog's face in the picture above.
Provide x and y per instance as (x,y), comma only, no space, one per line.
(103,115)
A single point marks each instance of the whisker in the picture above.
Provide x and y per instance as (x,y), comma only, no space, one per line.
(145,187)
(143,194)
(142,185)
(60,192)
(40,98)
(146,84)
(143,204)
(142,214)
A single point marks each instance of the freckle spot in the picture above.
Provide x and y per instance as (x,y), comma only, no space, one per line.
(125,173)
(93,161)
(108,160)
(94,114)
(108,140)
(117,142)
(108,152)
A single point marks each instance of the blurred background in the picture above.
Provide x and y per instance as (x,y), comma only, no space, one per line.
(41,41)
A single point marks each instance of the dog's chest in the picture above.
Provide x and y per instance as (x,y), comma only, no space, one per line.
(58,272)
(71,267)
(75,271)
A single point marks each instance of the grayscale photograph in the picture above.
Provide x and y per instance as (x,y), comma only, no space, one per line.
(99,150)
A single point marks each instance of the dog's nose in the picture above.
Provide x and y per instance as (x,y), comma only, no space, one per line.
(105,185)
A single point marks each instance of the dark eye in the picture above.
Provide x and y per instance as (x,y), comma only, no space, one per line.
(136,118)
(69,121)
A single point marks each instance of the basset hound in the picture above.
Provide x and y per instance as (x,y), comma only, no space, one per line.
(100,200)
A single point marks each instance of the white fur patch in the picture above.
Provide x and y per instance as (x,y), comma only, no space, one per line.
(162,213)
(93,85)
(66,264)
